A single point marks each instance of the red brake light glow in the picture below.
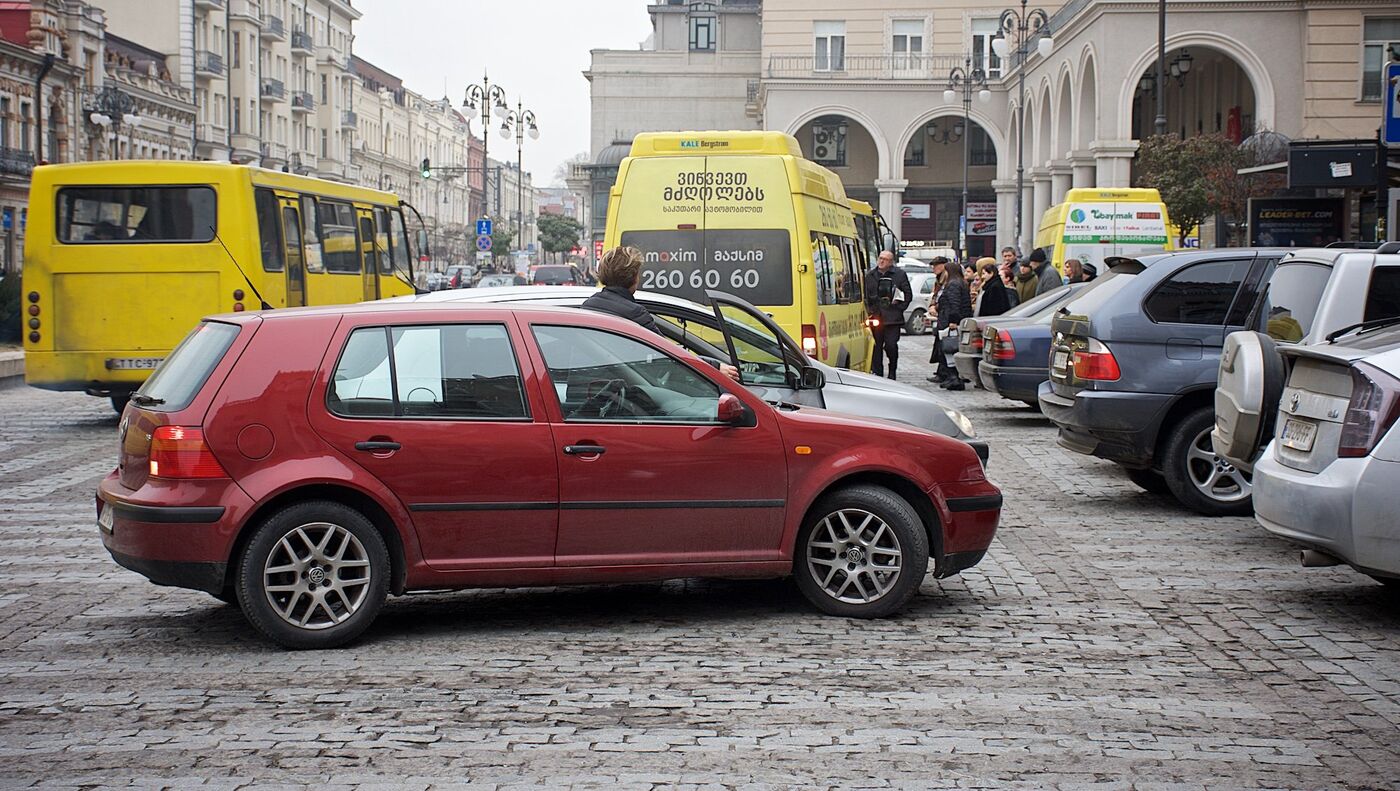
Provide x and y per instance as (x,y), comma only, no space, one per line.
(181,452)
(1096,363)
(1373,409)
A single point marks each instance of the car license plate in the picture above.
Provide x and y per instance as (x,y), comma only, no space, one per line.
(1299,434)
(966,338)
(104,519)
(132,363)
(1061,360)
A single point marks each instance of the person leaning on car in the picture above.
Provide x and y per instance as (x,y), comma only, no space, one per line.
(621,275)
(887,294)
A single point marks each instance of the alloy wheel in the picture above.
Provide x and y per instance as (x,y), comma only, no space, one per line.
(854,556)
(317,576)
(1215,477)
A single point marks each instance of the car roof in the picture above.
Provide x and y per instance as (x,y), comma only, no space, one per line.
(526,294)
(393,306)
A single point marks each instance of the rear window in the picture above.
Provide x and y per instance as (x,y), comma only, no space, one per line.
(142,215)
(1383,296)
(1033,306)
(554,275)
(1291,300)
(1099,291)
(177,379)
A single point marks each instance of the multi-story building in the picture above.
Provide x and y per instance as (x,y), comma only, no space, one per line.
(271,78)
(164,110)
(862,87)
(396,129)
(517,202)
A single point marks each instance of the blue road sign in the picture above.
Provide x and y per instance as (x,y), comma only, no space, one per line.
(483,228)
(483,242)
(1390,126)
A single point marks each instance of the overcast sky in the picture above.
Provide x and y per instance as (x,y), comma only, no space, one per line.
(536,50)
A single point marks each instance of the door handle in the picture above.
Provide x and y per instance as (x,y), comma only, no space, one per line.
(377,445)
(585,450)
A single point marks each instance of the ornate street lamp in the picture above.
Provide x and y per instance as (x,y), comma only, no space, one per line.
(964,80)
(1022,25)
(488,98)
(111,108)
(522,122)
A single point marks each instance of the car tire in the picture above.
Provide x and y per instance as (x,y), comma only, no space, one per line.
(918,322)
(227,596)
(119,402)
(1196,476)
(301,555)
(850,535)
(1149,481)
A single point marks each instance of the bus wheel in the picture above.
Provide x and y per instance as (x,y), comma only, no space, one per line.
(119,402)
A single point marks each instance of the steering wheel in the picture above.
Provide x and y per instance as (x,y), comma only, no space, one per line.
(611,401)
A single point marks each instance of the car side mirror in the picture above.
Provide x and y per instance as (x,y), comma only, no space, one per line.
(892,245)
(422,239)
(812,378)
(731,411)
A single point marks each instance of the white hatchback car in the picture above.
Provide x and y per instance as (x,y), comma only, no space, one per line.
(1330,479)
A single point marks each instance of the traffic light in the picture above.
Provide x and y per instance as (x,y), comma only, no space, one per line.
(426,168)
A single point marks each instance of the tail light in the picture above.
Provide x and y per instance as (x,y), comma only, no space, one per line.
(1002,347)
(978,342)
(1096,363)
(181,452)
(809,340)
(1374,406)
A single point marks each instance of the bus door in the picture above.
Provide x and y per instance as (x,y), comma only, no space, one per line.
(296,265)
(369,253)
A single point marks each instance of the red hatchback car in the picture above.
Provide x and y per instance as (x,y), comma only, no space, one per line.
(307,463)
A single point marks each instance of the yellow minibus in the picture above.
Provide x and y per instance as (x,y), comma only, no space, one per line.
(1092,224)
(123,258)
(744,212)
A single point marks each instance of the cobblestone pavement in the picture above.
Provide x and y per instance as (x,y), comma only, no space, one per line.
(1109,640)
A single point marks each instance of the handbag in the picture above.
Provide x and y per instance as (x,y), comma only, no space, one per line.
(950,341)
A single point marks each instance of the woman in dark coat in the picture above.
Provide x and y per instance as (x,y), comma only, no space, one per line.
(953,305)
(996,297)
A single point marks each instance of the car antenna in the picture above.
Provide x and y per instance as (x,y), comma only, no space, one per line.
(252,287)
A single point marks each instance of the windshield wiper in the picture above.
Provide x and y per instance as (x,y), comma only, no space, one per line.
(1362,325)
(140,399)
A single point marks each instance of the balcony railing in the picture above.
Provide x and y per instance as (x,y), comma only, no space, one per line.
(206,62)
(863,67)
(273,28)
(16,161)
(274,90)
(210,3)
(302,100)
(301,42)
(277,151)
(349,120)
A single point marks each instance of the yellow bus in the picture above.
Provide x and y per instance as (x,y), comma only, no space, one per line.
(1092,224)
(122,258)
(744,212)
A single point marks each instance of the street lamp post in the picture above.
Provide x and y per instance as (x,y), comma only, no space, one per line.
(522,122)
(488,98)
(1161,124)
(964,80)
(111,108)
(1022,25)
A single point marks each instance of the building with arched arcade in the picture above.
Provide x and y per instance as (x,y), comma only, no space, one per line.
(862,86)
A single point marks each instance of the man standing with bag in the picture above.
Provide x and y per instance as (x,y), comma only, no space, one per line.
(887,294)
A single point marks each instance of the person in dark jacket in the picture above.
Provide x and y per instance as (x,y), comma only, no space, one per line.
(887,294)
(996,297)
(1047,277)
(953,305)
(621,275)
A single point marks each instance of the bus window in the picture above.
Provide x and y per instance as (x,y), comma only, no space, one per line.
(851,288)
(369,249)
(104,215)
(838,271)
(266,208)
(296,278)
(337,229)
(315,262)
(399,248)
(381,240)
(821,258)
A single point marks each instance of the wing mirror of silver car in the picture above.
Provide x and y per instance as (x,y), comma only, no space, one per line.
(812,378)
